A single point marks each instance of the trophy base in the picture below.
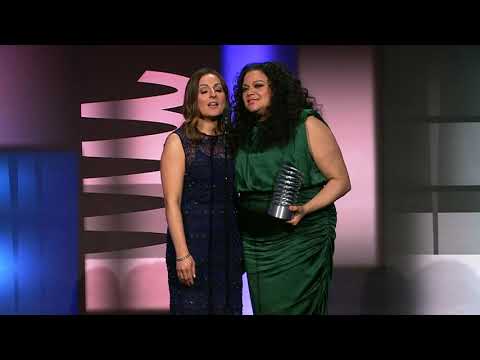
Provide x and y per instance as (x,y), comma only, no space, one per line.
(280,212)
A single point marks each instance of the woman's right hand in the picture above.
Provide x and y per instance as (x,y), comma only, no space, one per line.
(186,271)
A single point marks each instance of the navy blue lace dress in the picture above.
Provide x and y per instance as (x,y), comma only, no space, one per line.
(210,223)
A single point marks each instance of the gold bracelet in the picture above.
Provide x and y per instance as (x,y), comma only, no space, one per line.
(183,258)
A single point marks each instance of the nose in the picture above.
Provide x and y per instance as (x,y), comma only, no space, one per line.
(213,93)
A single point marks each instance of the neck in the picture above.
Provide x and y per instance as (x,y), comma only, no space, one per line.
(207,126)
(262,117)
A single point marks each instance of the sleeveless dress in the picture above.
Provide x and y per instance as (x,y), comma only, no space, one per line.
(289,268)
(211,230)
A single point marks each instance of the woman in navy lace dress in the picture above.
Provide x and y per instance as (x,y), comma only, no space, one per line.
(204,254)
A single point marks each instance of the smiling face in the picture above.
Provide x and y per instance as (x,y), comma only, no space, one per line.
(211,97)
(256,92)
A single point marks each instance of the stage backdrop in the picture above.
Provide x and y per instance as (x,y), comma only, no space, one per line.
(39,183)
(341,78)
(94,120)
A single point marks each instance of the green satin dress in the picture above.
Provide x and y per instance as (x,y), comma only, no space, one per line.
(289,268)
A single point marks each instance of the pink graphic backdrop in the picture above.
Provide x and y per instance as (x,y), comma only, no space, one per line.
(126,280)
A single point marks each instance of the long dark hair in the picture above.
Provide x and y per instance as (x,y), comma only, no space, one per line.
(191,112)
(289,99)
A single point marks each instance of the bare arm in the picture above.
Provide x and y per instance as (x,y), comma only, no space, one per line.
(172,170)
(329,160)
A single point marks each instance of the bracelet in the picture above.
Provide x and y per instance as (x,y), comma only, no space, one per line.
(183,258)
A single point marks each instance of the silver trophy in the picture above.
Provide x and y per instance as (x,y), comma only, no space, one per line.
(288,183)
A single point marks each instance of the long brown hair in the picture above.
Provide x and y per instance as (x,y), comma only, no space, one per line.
(191,112)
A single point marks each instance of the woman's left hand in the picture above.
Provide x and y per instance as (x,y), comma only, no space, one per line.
(299,211)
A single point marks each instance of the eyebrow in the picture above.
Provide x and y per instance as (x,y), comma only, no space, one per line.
(200,85)
(255,82)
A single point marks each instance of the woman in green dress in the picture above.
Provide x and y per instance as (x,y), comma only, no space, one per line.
(288,263)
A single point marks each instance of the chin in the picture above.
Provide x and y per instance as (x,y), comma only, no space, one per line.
(213,116)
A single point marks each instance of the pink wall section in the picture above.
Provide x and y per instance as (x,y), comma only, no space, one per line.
(147,221)
(126,284)
(341,78)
